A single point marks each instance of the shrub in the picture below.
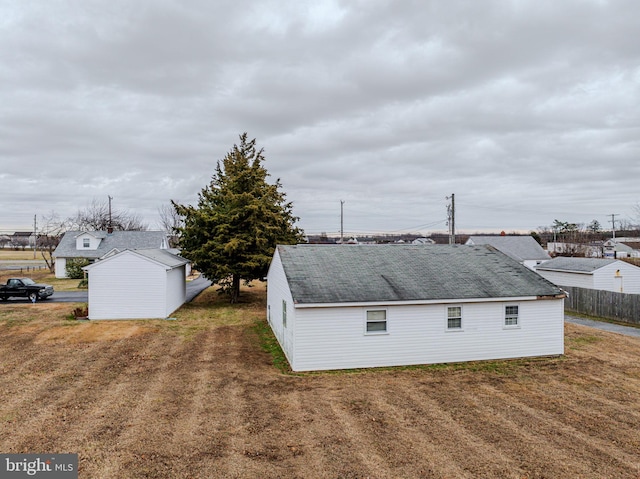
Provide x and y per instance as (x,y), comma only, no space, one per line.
(74,267)
(81,312)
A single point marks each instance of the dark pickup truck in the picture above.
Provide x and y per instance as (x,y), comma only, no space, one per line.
(25,288)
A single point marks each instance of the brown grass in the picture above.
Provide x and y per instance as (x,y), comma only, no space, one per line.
(198,398)
(11,254)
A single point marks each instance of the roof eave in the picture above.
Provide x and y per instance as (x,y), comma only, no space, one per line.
(423,302)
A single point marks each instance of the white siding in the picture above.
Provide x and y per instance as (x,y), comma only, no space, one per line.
(603,278)
(333,338)
(127,287)
(61,267)
(277,292)
(93,242)
(176,293)
(628,280)
(578,280)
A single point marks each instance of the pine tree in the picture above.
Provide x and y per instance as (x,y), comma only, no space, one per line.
(240,218)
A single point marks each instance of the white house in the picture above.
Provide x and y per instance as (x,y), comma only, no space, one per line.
(619,249)
(524,249)
(92,245)
(134,284)
(592,273)
(338,306)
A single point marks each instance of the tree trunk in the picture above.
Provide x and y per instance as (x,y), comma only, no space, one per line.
(235,288)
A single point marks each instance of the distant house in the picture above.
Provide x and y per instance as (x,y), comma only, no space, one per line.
(336,307)
(617,249)
(22,239)
(134,284)
(593,273)
(592,249)
(93,245)
(524,249)
(426,241)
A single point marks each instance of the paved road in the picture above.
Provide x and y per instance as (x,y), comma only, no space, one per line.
(194,288)
(197,286)
(614,328)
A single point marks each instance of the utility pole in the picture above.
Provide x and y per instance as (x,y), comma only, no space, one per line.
(613,224)
(341,221)
(35,236)
(451,214)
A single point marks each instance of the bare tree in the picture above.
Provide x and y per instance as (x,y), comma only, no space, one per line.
(19,242)
(170,221)
(99,217)
(51,230)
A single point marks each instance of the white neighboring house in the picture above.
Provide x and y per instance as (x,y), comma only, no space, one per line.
(337,307)
(524,249)
(592,273)
(93,245)
(620,249)
(135,284)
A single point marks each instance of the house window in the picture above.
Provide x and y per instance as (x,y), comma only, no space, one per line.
(454,317)
(86,242)
(511,314)
(284,313)
(376,321)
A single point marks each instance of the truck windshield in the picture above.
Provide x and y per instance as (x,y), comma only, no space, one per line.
(28,281)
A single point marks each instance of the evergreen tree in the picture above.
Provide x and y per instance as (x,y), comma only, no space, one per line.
(232,233)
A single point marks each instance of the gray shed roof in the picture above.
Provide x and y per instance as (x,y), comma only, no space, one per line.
(119,240)
(374,273)
(575,265)
(520,248)
(163,256)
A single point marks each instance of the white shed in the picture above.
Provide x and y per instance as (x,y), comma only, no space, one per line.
(135,284)
(524,249)
(592,273)
(338,306)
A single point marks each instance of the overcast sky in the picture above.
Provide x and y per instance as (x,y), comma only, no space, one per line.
(527,111)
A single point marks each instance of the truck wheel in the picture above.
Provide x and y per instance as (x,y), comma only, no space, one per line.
(33,297)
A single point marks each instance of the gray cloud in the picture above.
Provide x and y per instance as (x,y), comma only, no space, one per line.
(526,110)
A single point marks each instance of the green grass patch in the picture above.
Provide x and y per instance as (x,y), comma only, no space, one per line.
(269,344)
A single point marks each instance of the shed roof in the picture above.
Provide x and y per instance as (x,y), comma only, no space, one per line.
(160,256)
(119,240)
(373,273)
(520,248)
(163,256)
(575,265)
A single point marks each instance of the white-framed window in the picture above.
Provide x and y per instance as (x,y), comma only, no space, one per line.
(284,313)
(454,318)
(376,321)
(511,316)
(86,242)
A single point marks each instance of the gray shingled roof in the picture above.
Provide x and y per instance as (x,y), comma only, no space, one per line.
(373,273)
(120,240)
(520,248)
(163,256)
(575,265)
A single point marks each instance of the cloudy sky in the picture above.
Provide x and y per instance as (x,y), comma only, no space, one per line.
(527,111)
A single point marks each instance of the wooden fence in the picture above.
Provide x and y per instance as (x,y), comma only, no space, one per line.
(603,304)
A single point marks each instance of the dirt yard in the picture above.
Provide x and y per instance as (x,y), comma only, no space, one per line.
(199,398)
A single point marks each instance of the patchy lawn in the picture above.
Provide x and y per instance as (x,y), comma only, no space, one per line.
(199,397)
